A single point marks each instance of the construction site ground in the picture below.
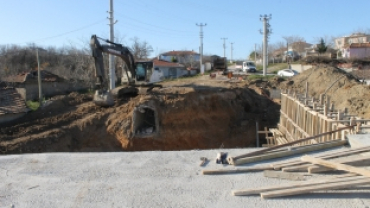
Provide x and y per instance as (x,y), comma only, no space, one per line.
(190,113)
(118,165)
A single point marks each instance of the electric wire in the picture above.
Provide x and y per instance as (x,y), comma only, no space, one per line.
(153,32)
(156,26)
(155,10)
(65,33)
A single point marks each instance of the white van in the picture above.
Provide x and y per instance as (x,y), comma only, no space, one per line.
(249,66)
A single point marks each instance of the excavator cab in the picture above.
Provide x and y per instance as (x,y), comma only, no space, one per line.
(143,71)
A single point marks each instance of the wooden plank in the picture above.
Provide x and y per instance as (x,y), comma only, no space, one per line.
(298,128)
(253,191)
(244,170)
(278,166)
(361,161)
(355,161)
(289,144)
(303,190)
(337,166)
(283,175)
(297,168)
(274,155)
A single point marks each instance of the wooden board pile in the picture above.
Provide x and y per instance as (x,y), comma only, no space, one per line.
(347,160)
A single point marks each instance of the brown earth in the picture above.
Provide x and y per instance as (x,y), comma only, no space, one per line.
(192,113)
(344,89)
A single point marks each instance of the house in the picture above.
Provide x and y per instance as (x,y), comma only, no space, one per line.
(343,44)
(26,84)
(188,58)
(12,106)
(357,50)
(299,48)
(168,69)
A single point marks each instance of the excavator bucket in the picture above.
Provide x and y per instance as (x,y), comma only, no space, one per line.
(103,98)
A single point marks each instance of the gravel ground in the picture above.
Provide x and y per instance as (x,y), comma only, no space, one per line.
(145,179)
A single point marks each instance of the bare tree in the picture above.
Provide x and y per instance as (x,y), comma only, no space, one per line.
(293,38)
(140,50)
(276,51)
(362,31)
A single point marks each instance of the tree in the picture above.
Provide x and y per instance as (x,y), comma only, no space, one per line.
(321,47)
(173,59)
(140,50)
(296,42)
(329,40)
(293,38)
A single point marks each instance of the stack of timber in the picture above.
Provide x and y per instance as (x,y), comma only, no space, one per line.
(355,177)
(347,167)
(268,153)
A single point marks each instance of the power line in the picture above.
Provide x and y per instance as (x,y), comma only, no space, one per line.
(72,31)
(160,33)
(154,10)
(156,26)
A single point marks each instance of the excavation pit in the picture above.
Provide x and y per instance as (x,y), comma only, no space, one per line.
(166,119)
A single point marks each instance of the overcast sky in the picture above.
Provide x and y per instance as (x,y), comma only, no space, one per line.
(171,24)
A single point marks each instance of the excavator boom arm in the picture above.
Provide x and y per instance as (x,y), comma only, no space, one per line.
(113,49)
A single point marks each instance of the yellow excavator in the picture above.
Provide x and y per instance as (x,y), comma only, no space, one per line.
(137,77)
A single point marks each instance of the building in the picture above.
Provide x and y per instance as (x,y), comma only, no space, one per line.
(26,84)
(12,106)
(168,70)
(343,45)
(356,50)
(188,58)
(299,48)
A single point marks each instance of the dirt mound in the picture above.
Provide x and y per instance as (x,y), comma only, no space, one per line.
(172,118)
(343,89)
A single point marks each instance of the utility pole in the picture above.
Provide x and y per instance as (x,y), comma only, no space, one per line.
(224,46)
(201,43)
(255,55)
(39,76)
(112,72)
(231,55)
(266,32)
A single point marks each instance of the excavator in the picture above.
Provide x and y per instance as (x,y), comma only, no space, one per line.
(137,76)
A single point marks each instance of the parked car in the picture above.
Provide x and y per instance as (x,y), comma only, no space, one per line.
(249,66)
(287,73)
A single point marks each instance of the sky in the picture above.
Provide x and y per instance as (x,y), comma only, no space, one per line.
(171,24)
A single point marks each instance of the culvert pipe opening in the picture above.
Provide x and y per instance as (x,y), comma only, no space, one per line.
(145,121)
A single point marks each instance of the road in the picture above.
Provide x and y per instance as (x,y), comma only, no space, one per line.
(236,69)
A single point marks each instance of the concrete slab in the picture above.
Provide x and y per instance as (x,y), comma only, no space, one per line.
(359,140)
(144,179)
